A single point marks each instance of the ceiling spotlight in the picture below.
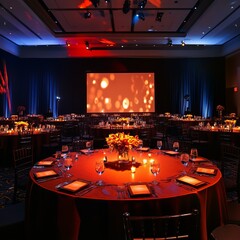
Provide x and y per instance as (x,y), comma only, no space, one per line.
(87,45)
(183,43)
(68,44)
(159,16)
(87,14)
(142,3)
(95,3)
(126,6)
(169,42)
(141,16)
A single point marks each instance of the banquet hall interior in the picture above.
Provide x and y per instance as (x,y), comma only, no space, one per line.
(132,83)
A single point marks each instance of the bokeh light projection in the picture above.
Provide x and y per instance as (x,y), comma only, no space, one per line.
(120,92)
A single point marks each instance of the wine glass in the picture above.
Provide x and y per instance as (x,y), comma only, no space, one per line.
(155,169)
(184,158)
(159,145)
(89,145)
(193,153)
(68,163)
(140,145)
(100,168)
(176,146)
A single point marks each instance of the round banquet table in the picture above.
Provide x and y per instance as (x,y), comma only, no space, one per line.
(97,214)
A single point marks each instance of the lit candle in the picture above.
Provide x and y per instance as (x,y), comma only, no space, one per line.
(151,161)
(133,169)
(144,161)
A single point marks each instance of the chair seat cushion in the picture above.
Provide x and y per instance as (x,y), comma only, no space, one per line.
(226,232)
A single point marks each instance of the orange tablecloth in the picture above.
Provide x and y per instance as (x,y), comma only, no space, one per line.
(98,213)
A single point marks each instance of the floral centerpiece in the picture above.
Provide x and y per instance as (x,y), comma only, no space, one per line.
(122,143)
(21,125)
(220,109)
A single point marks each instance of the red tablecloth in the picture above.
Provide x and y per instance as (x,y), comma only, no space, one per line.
(98,213)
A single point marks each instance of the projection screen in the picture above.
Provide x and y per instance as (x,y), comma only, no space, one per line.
(120,92)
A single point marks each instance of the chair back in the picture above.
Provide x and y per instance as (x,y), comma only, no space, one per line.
(230,167)
(178,226)
(22,162)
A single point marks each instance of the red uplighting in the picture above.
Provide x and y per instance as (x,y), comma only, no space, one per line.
(235,89)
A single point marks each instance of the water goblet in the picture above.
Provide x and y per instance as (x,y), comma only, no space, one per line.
(68,163)
(140,145)
(193,153)
(159,145)
(89,145)
(155,169)
(176,146)
(184,158)
(100,168)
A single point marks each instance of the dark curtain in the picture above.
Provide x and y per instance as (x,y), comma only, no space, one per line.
(35,83)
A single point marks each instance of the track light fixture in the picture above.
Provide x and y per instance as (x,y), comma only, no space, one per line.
(141,16)
(142,3)
(95,3)
(87,15)
(126,6)
(159,16)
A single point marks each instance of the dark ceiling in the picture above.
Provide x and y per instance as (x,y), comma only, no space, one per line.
(65,28)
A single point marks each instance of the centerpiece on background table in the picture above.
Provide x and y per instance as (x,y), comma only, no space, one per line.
(122,143)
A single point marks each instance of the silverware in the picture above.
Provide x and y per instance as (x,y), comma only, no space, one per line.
(48,179)
(86,190)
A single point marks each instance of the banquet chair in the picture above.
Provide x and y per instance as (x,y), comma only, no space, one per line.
(22,162)
(230,168)
(178,226)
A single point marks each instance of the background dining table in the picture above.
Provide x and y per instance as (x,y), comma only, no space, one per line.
(97,213)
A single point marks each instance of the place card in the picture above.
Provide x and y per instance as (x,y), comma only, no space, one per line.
(210,171)
(45,163)
(74,186)
(43,174)
(191,181)
(139,190)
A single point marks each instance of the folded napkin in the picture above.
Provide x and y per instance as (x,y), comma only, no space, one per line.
(45,163)
(86,151)
(208,171)
(143,149)
(45,174)
(74,186)
(137,190)
(191,181)
(171,152)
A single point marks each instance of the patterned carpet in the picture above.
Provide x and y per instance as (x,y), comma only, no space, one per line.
(6,188)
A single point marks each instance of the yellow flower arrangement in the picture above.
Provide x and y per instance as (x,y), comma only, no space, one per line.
(122,142)
(123,120)
(21,123)
(230,122)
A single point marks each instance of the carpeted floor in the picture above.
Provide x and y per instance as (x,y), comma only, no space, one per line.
(6,188)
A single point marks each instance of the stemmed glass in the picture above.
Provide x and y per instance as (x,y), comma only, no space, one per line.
(159,145)
(89,145)
(184,158)
(100,168)
(176,146)
(193,153)
(140,145)
(155,170)
(68,163)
